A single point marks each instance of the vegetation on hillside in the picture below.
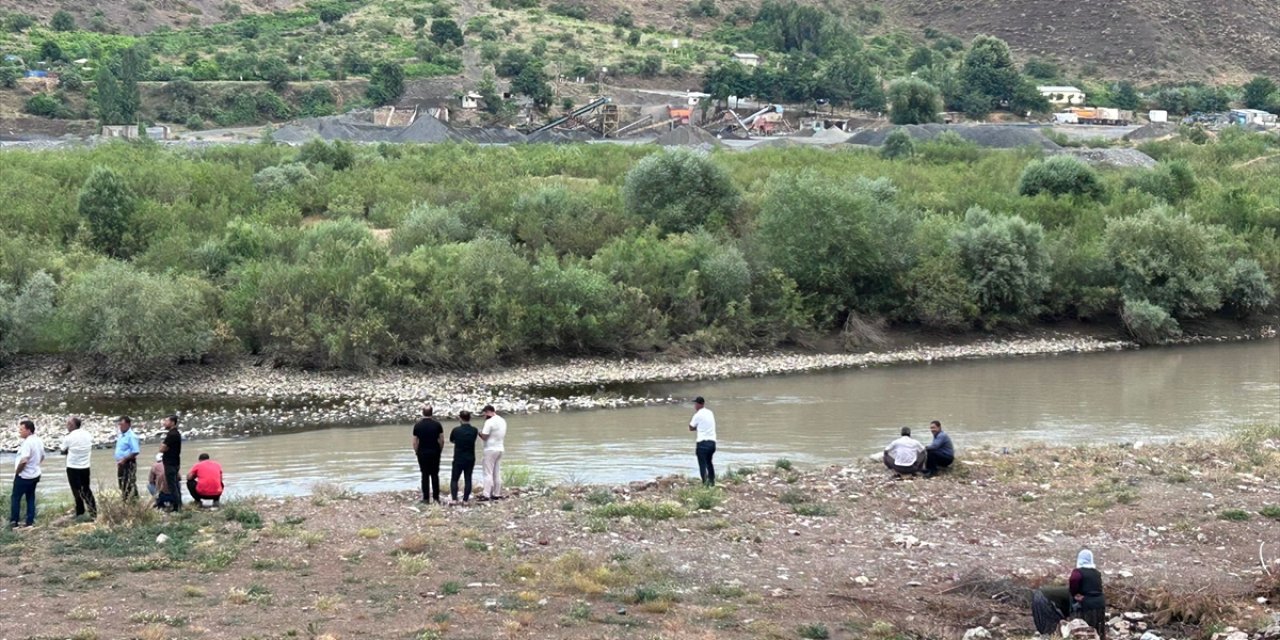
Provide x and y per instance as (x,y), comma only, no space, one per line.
(337,256)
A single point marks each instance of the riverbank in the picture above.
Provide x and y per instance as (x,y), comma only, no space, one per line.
(245,398)
(838,552)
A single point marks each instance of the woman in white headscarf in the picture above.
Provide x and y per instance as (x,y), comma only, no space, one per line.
(1086,591)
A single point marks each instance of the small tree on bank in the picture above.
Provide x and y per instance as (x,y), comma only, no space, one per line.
(107,205)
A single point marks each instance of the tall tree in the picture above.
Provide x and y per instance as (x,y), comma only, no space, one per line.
(913,101)
(62,21)
(851,80)
(988,69)
(107,96)
(532,82)
(386,84)
(1258,92)
(107,204)
(133,63)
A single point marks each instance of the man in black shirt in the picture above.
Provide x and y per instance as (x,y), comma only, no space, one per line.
(428,443)
(171,450)
(463,438)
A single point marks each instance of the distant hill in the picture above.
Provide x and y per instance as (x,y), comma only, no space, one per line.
(1142,40)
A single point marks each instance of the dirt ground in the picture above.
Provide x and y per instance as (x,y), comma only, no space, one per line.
(771,553)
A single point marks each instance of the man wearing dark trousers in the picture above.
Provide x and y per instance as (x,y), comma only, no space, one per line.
(127,449)
(464,438)
(76,446)
(940,453)
(428,443)
(171,449)
(704,423)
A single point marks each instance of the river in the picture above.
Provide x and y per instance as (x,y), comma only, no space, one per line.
(810,419)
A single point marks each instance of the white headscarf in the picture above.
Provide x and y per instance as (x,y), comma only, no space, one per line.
(1084,559)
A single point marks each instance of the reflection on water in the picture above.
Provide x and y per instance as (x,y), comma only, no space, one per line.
(811,419)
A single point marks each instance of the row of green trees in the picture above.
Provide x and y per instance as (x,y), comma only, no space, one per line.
(338,256)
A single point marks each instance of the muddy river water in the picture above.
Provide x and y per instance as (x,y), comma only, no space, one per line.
(810,419)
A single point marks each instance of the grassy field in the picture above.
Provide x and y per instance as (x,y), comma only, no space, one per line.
(776,552)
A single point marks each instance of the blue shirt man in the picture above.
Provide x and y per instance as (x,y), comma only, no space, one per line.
(127,449)
(940,453)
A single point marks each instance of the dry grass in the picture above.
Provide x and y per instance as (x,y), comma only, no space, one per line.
(413,544)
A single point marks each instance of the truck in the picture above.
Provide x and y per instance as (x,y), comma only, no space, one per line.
(1094,115)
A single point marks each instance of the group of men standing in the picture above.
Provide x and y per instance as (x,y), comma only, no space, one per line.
(428,446)
(204,480)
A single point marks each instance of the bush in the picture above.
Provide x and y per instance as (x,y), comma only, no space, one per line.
(45,105)
(680,190)
(1148,323)
(386,84)
(282,179)
(428,226)
(914,101)
(338,155)
(108,205)
(1168,260)
(132,321)
(1058,176)
(445,32)
(898,145)
(1006,263)
(1247,289)
(1172,181)
(837,241)
(940,296)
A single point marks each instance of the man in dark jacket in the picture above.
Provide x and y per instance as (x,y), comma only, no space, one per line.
(428,443)
(940,453)
(464,438)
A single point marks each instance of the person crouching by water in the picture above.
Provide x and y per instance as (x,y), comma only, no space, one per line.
(1085,585)
(905,456)
(940,453)
(204,481)
(155,481)
(704,423)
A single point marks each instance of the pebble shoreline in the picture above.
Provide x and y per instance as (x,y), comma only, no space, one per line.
(242,399)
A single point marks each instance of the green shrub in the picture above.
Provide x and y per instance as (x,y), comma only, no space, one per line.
(913,101)
(1171,181)
(680,190)
(898,145)
(108,205)
(1234,515)
(940,295)
(1006,263)
(1247,290)
(1168,260)
(282,179)
(837,240)
(1148,323)
(132,321)
(427,225)
(643,510)
(338,155)
(26,316)
(45,105)
(1058,176)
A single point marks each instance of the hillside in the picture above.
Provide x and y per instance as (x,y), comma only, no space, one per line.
(1142,40)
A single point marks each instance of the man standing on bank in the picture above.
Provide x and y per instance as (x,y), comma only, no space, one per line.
(428,442)
(463,438)
(940,453)
(127,449)
(704,423)
(493,434)
(76,446)
(26,474)
(171,449)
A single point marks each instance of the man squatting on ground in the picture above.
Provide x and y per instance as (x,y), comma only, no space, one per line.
(940,453)
(905,456)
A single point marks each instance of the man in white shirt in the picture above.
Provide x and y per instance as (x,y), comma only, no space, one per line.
(77,445)
(704,423)
(905,456)
(493,433)
(26,473)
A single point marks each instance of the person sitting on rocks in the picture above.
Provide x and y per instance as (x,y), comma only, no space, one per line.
(905,456)
(940,453)
(204,481)
(1049,607)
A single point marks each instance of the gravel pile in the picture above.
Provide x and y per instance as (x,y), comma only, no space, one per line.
(1153,131)
(987,136)
(688,136)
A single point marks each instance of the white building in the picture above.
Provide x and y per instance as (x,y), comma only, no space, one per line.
(1062,95)
(747,59)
